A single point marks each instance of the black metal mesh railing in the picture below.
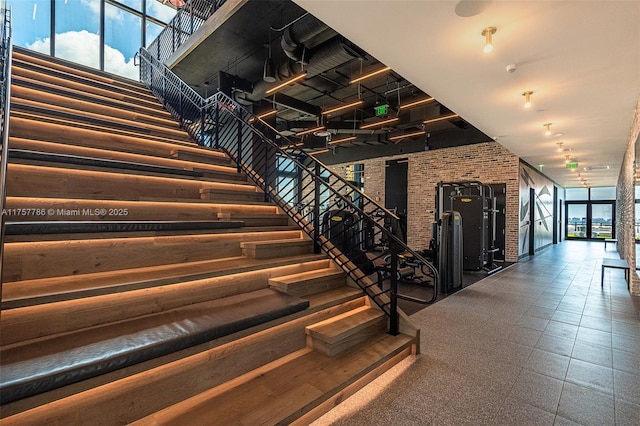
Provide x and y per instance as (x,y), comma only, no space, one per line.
(186,21)
(362,237)
(6,50)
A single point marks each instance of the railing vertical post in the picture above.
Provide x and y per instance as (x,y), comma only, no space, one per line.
(217,107)
(266,172)
(316,209)
(239,126)
(203,112)
(394,325)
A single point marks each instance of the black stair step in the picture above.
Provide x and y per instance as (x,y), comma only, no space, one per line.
(51,363)
(69,227)
(24,154)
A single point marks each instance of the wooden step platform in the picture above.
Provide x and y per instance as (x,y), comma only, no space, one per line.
(311,282)
(338,334)
(276,248)
(46,364)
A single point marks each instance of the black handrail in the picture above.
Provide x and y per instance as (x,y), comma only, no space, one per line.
(6,53)
(359,236)
(186,21)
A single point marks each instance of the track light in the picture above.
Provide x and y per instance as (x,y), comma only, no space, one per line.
(407,135)
(527,98)
(342,140)
(286,83)
(371,74)
(319,151)
(342,107)
(379,123)
(306,132)
(416,103)
(488,39)
(548,127)
(444,117)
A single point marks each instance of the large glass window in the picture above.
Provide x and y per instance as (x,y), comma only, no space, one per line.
(31,24)
(576,220)
(76,29)
(576,194)
(601,220)
(122,40)
(603,193)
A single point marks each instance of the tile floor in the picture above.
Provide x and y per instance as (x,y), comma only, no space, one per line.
(539,343)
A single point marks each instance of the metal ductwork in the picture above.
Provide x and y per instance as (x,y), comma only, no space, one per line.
(299,35)
(328,55)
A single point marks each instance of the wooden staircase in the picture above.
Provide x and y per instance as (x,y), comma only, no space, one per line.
(146,281)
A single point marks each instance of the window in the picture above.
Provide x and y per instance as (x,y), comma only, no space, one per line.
(608,193)
(576,194)
(76,30)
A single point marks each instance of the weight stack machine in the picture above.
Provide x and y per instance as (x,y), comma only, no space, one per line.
(450,252)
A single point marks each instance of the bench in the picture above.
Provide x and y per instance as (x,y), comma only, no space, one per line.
(615,264)
(609,240)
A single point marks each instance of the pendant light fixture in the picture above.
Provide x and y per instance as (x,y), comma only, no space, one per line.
(527,98)
(269,72)
(547,126)
(488,39)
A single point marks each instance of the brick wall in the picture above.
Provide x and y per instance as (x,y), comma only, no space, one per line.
(487,162)
(625,203)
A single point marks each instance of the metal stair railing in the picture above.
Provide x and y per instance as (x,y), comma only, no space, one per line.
(6,53)
(345,223)
(186,21)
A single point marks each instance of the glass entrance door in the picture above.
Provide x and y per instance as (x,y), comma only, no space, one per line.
(590,220)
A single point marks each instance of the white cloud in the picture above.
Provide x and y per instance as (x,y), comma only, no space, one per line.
(111,12)
(158,10)
(83,47)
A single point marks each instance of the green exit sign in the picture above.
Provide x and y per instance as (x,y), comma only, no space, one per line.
(572,165)
(382,110)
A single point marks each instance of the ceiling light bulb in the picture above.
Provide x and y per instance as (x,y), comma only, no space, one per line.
(548,127)
(488,39)
(527,98)
(559,146)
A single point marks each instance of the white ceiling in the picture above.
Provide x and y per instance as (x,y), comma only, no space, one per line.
(580,58)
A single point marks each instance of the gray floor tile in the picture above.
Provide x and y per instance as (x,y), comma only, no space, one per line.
(626,328)
(589,335)
(567,317)
(626,386)
(595,354)
(537,390)
(586,406)
(555,344)
(595,323)
(626,361)
(561,329)
(534,323)
(626,343)
(627,413)
(548,364)
(517,412)
(590,375)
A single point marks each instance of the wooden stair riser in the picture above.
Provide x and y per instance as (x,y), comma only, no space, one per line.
(34,260)
(26,209)
(40,117)
(19,294)
(34,181)
(271,249)
(339,334)
(96,89)
(81,115)
(309,283)
(113,397)
(23,324)
(24,94)
(47,62)
(208,170)
(23,128)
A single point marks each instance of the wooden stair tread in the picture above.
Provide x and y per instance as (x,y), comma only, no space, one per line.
(47,290)
(333,297)
(47,364)
(321,273)
(275,243)
(286,391)
(344,325)
(64,227)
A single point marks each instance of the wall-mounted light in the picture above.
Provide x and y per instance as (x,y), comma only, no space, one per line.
(286,83)
(488,39)
(416,103)
(371,74)
(342,107)
(527,98)
(407,135)
(306,132)
(547,126)
(444,117)
(342,140)
(379,123)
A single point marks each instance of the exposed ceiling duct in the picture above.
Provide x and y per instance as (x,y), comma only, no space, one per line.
(304,34)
